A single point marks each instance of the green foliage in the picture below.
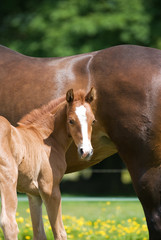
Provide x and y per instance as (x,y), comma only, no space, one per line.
(67,27)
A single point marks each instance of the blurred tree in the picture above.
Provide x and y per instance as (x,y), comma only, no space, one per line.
(67,27)
(153,7)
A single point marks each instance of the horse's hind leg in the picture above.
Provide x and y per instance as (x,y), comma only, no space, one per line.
(149,193)
(35,203)
(9,206)
(146,178)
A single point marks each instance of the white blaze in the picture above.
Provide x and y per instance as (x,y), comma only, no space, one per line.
(81,114)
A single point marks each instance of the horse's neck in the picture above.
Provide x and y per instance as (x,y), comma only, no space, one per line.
(60,133)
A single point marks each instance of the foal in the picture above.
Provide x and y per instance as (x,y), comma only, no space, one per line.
(32,159)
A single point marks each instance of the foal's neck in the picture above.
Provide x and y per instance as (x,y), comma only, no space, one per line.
(60,133)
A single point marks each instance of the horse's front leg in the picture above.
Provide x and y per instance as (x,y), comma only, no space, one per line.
(8,185)
(52,200)
(35,203)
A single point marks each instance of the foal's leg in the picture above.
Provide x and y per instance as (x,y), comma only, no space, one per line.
(35,203)
(50,177)
(53,205)
(9,206)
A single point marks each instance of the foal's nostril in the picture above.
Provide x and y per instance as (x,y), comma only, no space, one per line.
(81,151)
(85,154)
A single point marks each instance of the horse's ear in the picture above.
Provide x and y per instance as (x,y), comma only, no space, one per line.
(70,96)
(91,95)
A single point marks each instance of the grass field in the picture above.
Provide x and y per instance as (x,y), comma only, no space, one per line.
(91,220)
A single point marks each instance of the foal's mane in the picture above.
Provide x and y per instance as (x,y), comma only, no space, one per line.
(36,115)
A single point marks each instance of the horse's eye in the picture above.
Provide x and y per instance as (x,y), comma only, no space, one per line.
(71,121)
(93,121)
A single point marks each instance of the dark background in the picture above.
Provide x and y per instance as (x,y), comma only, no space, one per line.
(48,28)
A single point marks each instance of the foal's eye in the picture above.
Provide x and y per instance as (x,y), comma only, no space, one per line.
(71,121)
(93,122)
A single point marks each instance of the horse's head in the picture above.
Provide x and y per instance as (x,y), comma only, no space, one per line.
(80,119)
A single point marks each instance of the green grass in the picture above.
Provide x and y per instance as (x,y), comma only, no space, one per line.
(92,220)
(104,210)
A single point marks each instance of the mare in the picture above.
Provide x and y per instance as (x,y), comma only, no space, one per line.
(127,79)
(32,159)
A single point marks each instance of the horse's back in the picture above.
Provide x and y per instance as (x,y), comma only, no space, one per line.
(29,82)
(7,54)
(128,63)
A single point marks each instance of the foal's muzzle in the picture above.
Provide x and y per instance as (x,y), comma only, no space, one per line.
(85,154)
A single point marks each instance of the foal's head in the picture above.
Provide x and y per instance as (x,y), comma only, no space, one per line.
(80,119)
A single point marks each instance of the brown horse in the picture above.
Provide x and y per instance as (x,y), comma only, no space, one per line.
(32,159)
(128,84)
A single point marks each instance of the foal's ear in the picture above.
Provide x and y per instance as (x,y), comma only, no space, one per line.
(70,96)
(91,95)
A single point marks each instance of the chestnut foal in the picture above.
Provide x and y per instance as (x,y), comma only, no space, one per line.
(33,162)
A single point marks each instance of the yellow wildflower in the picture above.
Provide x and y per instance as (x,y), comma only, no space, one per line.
(20,220)
(28,210)
(27,237)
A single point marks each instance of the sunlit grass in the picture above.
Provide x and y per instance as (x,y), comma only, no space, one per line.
(91,220)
